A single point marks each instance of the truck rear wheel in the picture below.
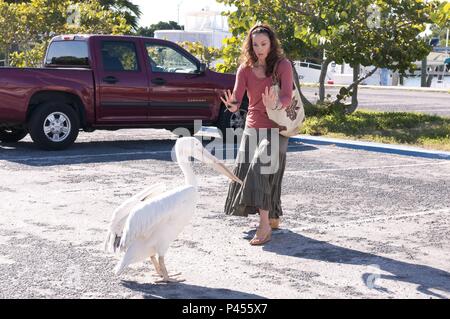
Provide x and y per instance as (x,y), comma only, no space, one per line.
(12,135)
(54,126)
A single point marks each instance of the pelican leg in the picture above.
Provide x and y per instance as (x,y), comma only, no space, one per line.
(157,267)
(159,272)
(166,277)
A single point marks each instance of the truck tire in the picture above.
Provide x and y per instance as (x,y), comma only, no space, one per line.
(54,126)
(228,120)
(12,135)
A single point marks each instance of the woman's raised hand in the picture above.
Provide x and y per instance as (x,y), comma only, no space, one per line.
(230,102)
(270,98)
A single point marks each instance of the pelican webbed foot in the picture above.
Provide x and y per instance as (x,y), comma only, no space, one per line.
(165,275)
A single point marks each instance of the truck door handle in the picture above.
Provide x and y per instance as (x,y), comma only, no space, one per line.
(110,79)
(159,81)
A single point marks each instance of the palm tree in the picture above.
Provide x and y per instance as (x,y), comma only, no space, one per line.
(131,11)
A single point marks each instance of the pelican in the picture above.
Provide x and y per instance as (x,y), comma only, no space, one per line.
(146,224)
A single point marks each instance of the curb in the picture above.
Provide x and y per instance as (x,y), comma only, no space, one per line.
(358,145)
(373,147)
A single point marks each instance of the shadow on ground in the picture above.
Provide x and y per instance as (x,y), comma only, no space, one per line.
(424,277)
(26,153)
(183,291)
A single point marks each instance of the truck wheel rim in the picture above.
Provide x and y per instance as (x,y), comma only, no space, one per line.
(57,127)
(238,119)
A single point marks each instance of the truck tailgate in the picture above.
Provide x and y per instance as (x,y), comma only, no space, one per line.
(18,85)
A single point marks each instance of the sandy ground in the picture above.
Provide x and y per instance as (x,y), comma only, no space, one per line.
(357,225)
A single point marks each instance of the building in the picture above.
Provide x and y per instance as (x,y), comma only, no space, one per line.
(205,26)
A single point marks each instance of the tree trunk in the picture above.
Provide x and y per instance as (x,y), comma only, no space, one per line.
(7,57)
(323,74)
(429,80)
(395,78)
(355,83)
(423,78)
(356,80)
(305,101)
(440,77)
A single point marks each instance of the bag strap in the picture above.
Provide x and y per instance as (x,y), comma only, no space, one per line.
(296,78)
(275,79)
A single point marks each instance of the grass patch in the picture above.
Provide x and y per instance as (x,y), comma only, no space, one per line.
(414,129)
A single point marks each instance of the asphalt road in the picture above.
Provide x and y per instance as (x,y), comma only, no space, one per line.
(437,103)
(356,224)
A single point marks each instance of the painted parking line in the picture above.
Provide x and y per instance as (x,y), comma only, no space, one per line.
(113,155)
(117,154)
(306,141)
(368,168)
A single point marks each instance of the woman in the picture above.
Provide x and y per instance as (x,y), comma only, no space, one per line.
(262,59)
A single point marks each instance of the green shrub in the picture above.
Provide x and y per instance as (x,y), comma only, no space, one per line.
(386,127)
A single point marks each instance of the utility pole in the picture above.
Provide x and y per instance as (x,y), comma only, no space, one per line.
(423,77)
(423,70)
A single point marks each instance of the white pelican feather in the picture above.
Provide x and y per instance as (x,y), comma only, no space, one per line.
(146,224)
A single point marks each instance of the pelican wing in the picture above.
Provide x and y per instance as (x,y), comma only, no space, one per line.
(160,219)
(122,212)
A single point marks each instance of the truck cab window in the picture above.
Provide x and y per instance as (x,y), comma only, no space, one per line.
(67,53)
(165,59)
(119,56)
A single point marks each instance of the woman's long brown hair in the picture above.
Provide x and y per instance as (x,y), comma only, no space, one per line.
(248,56)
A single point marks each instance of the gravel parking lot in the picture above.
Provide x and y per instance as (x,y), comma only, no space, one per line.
(357,224)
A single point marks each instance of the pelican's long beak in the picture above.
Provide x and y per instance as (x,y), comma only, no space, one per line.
(208,158)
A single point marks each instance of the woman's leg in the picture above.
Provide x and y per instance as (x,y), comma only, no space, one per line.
(264,231)
(274,218)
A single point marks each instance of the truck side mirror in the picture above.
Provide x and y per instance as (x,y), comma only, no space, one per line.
(201,68)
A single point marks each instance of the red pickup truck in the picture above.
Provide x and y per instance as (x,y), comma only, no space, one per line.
(94,82)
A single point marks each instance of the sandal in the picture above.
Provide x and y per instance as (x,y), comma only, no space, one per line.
(274,223)
(256,241)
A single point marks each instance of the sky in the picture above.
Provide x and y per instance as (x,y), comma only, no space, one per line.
(154,11)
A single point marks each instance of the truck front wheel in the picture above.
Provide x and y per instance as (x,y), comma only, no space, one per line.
(54,126)
(12,135)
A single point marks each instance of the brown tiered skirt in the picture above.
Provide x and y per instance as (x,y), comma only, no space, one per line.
(260,164)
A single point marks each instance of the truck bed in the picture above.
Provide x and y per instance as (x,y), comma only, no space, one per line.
(18,85)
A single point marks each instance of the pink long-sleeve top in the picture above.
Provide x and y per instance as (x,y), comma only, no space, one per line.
(246,80)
